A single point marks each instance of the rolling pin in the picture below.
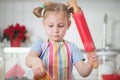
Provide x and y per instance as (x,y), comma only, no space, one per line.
(83,30)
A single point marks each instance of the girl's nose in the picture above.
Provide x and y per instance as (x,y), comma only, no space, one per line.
(56,30)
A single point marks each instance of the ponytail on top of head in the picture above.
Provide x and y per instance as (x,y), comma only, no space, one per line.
(38,12)
(54,7)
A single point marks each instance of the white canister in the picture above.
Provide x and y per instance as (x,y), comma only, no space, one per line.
(107,62)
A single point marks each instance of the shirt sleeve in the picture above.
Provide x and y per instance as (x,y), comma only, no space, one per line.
(37,46)
(77,55)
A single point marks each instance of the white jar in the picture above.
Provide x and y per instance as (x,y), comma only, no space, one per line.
(107,63)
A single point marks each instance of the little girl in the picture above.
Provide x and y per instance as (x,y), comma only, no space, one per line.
(56,55)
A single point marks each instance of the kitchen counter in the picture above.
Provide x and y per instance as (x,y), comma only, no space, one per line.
(17,55)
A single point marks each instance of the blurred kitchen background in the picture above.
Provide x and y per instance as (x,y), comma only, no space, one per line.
(103,18)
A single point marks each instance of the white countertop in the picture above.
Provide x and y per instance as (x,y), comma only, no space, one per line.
(16,49)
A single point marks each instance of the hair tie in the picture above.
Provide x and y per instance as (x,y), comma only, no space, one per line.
(42,5)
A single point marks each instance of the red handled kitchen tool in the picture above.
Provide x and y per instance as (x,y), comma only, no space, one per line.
(83,30)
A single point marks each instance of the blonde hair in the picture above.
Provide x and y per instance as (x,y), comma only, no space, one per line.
(53,7)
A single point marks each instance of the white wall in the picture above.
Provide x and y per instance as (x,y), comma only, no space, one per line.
(18,11)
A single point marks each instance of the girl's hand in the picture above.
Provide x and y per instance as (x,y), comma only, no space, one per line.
(92,58)
(38,68)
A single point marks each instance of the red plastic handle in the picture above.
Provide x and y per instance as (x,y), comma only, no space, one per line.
(84,31)
(84,34)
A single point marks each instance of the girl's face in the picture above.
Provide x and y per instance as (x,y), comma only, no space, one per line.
(56,25)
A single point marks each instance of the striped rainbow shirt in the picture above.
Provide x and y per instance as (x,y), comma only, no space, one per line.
(58,58)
